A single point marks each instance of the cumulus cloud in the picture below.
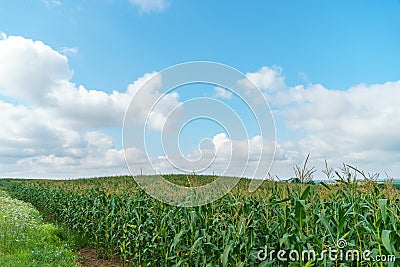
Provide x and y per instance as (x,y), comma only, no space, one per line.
(32,145)
(30,69)
(267,79)
(225,157)
(147,6)
(362,117)
(143,110)
(359,125)
(222,93)
(36,74)
(53,127)
(49,125)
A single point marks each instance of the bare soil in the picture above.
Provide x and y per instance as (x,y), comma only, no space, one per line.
(89,259)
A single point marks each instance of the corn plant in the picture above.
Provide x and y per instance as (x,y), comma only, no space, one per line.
(122,220)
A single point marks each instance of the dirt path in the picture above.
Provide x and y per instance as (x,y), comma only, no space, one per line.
(89,259)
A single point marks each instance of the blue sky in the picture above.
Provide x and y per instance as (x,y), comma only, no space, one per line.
(320,53)
(338,44)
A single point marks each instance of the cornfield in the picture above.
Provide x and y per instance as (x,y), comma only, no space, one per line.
(121,220)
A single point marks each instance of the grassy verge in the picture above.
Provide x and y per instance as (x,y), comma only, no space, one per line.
(26,240)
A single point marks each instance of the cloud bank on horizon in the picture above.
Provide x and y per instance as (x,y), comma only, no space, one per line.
(52,127)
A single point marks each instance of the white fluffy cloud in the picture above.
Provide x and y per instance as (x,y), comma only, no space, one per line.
(142,108)
(39,76)
(29,70)
(358,126)
(52,127)
(225,156)
(267,79)
(48,126)
(33,145)
(351,123)
(147,6)
(222,93)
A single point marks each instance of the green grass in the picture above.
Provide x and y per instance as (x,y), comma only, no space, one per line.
(26,240)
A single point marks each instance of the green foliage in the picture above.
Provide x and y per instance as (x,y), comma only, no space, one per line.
(25,240)
(120,219)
